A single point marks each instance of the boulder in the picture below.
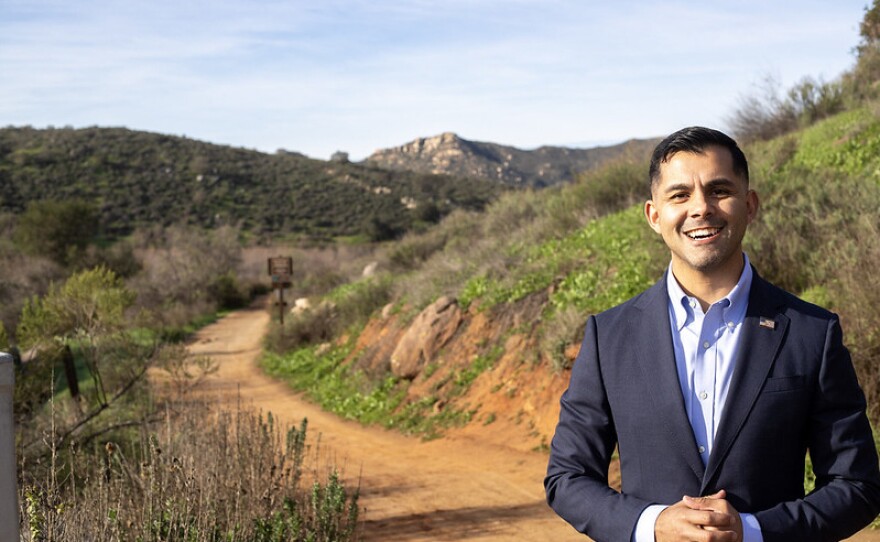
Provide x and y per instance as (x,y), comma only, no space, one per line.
(427,334)
(370,269)
(301,305)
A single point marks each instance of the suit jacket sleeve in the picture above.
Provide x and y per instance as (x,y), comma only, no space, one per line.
(580,454)
(847,494)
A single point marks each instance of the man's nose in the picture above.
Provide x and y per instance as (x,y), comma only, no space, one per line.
(701,204)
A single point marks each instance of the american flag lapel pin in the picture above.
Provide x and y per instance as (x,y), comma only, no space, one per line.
(769,323)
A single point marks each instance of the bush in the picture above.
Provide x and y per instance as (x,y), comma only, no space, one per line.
(119,257)
(89,303)
(313,326)
(347,306)
(411,251)
(187,272)
(226,292)
(766,115)
(167,485)
(59,230)
(615,186)
(862,82)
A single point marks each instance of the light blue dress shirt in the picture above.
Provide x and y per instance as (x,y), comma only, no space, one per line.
(705,346)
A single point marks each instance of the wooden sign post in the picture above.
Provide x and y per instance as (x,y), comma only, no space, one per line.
(281,269)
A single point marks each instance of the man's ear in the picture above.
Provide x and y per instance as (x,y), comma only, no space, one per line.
(652,215)
(753,203)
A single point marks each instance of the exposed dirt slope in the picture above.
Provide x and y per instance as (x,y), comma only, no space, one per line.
(466,486)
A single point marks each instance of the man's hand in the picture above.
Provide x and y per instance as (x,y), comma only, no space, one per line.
(699,519)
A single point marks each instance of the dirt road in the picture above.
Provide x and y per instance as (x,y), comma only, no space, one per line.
(449,489)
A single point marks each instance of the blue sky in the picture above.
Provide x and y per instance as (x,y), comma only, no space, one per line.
(358,75)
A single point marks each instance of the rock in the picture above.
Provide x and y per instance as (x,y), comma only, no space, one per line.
(301,305)
(370,269)
(387,310)
(427,334)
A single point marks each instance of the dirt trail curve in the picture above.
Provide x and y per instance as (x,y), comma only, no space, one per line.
(448,489)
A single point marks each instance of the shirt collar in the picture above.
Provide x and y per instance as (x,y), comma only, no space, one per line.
(737,299)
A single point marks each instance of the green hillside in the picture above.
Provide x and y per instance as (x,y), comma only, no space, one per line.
(585,247)
(535,264)
(138,179)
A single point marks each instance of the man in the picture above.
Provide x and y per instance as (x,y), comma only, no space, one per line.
(712,384)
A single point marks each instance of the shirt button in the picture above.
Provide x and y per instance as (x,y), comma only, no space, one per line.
(693,304)
(703,395)
(702,449)
(706,344)
(730,325)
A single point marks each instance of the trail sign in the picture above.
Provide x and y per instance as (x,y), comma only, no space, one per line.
(280,269)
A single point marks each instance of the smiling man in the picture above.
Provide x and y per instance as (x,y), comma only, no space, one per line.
(712,385)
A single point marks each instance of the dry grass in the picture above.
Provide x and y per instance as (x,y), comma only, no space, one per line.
(316,270)
(197,475)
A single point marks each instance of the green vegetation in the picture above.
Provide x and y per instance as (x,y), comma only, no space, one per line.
(332,385)
(139,180)
(346,306)
(340,389)
(848,144)
(107,305)
(101,454)
(55,229)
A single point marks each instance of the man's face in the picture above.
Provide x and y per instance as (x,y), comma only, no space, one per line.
(702,208)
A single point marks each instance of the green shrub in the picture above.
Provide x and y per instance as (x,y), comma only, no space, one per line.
(334,385)
(59,230)
(226,292)
(414,249)
(89,303)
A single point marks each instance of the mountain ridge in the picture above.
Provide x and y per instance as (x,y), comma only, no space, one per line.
(450,154)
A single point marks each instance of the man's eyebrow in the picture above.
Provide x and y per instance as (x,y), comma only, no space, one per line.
(720,181)
(678,187)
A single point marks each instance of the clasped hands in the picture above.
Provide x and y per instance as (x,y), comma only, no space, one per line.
(699,519)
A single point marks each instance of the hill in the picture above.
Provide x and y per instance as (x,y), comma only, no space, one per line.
(545,166)
(485,312)
(137,179)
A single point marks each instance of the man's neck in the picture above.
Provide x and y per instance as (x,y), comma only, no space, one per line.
(708,288)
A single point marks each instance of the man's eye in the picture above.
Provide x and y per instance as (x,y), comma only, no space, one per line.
(679,196)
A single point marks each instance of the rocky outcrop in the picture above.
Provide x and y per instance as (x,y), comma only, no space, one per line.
(427,334)
(513,401)
(450,154)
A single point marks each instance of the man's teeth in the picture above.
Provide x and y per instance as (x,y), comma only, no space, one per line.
(703,233)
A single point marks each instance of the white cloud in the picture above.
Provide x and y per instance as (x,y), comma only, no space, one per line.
(359,75)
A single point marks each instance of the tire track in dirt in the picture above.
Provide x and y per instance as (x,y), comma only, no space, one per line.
(448,489)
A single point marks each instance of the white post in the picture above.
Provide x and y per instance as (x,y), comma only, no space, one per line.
(8,485)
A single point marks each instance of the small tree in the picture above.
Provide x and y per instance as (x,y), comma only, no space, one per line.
(866,74)
(81,314)
(90,303)
(59,230)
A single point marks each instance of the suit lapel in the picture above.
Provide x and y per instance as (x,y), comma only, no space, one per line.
(763,329)
(657,361)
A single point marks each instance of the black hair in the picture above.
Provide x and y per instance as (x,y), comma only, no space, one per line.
(695,139)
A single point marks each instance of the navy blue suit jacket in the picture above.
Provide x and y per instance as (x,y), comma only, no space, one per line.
(793,389)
